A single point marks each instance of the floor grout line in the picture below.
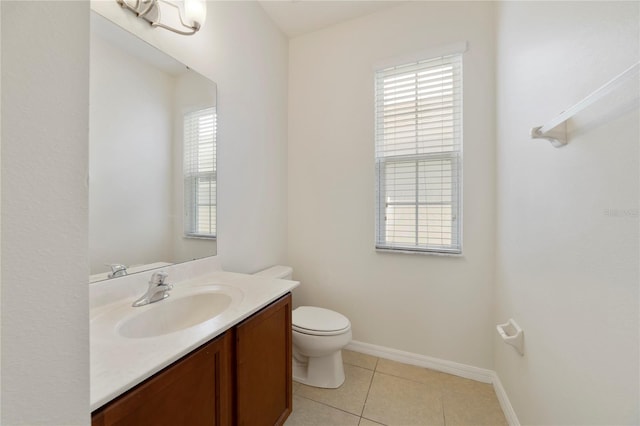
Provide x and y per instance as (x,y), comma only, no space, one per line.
(366,397)
(371,420)
(330,406)
(444,417)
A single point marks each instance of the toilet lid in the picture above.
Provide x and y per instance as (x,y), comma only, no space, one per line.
(311,319)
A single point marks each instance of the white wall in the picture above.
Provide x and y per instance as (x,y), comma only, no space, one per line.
(0,214)
(430,305)
(250,67)
(246,55)
(130,159)
(45,118)
(567,218)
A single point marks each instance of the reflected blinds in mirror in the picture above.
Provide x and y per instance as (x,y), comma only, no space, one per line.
(200,173)
(418,155)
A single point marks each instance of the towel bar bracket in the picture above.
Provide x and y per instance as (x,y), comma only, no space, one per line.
(557,136)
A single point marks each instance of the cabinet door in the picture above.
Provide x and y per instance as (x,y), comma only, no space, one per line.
(263,366)
(195,390)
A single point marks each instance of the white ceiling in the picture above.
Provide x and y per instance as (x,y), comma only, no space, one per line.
(297,17)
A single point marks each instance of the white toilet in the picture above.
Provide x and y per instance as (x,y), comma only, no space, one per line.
(318,338)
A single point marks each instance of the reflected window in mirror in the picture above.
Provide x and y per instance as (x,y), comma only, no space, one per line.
(200,173)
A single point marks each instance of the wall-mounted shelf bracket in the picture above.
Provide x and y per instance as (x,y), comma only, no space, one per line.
(555,131)
(557,136)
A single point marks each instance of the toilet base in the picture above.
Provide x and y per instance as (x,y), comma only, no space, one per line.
(321,372)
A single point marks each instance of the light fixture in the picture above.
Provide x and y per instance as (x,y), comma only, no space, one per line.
(195,12)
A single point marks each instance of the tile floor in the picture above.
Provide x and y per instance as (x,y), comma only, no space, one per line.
(382,392)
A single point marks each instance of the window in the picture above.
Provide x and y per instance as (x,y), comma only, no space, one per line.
(200,173)
(418,138)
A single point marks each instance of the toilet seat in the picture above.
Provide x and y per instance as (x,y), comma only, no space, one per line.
(319,321)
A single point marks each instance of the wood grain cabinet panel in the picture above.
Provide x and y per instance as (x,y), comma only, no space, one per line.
(196,390)
(263,366)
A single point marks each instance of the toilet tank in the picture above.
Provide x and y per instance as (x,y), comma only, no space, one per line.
(278,271)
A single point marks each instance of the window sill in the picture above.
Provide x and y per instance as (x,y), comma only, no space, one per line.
(420,253)
(199,237)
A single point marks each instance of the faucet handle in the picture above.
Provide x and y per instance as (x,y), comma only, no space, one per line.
(158,278)
(117,270)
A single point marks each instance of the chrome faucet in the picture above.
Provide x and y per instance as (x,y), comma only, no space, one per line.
(157,290)
(117,270)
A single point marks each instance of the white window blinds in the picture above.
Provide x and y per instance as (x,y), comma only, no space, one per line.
(418,138)
(200,173)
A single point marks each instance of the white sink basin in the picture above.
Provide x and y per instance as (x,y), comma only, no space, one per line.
(174,314)
(183,309)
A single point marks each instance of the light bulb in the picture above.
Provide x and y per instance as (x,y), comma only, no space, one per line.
(195,12)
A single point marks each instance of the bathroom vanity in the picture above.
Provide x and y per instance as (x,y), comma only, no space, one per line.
(241,377)
(234,368)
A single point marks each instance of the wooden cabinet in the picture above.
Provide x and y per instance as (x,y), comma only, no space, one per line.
(263,366)
(195,390)
(242,377)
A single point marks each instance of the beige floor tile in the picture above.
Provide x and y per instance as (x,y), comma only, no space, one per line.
(311,413)
(410,372)
(348,397)
(397,401)
(459,385)
(367,422)
(469,409)
(295,387)
(359,359)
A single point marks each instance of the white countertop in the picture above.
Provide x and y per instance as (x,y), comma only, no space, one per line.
(119,363)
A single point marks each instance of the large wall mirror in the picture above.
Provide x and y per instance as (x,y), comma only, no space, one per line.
(152,158)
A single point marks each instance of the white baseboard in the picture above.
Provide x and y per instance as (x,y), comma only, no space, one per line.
(505,404)
(450,367)
(462,370)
